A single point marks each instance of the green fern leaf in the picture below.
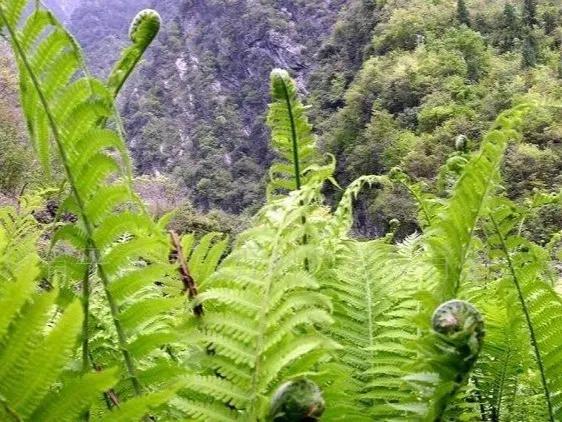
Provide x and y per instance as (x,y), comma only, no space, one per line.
(541,309)
(291,134)
(70,402)
(450,235)
(260,303)
(144,28)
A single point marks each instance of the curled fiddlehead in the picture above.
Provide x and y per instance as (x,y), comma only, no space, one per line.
(459,333)
(144,28)
(297,400)
(460,324)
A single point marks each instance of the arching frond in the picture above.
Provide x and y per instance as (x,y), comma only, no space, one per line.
(539,304)
(450,235)
(499,372)
(444,365)
(63,104)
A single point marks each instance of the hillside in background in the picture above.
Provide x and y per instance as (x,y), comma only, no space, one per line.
(402,88)
(196,109)
(393,84)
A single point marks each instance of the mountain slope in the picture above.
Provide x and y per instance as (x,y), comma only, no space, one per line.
(196,109)
(428,78)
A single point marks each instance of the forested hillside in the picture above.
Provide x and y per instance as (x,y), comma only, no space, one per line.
(204,123)
(432,72)
(391,83)
(280,211)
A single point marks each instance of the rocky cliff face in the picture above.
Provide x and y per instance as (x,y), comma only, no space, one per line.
(196,108)
(62,8)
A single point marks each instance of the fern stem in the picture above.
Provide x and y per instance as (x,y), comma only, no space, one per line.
(123,343)
(129,71)
(294,138)
(496,410)
(369,299)
(478,395)
(261,330)
(86,312)
(296,158)
(527,314)
(189,285)
(15,417)
(443,404)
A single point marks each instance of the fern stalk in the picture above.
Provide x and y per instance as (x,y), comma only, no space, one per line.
(496,411)
(189,285)
(122,339)
(294,138)
(15,417)
(534,343)
(253,411)
(296,158)
(85,323)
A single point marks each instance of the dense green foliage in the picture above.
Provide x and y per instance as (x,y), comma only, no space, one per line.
(427,73)
(203,123)
(16,159)
(107,315)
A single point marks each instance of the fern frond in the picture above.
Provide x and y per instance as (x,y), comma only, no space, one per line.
(444,365)
(449,237)
(76,395)
(64,104)
(498,373)
(427,204)
(264,311)
(291,135)
(134,409)
(205,257)
(144,28)
(369,284)
(541,307)
(343,216)
(37,342)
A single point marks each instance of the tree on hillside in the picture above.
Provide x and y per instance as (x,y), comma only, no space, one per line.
(463,14)
(509,29)
(530,45)
(530,50)
(530,12)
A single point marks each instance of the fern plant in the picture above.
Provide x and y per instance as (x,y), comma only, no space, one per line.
(540,305)
(262,319)
(369,312)
(127,250)
(126,321)
(450,236)
(291,135)
(401,333)
(38,337)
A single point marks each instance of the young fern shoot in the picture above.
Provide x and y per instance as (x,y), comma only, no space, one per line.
(291,135)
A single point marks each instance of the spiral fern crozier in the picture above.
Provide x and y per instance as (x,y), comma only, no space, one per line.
(460,323)
(145,26)
(297,400)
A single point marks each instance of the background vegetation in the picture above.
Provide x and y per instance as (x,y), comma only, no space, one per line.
(129,293)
